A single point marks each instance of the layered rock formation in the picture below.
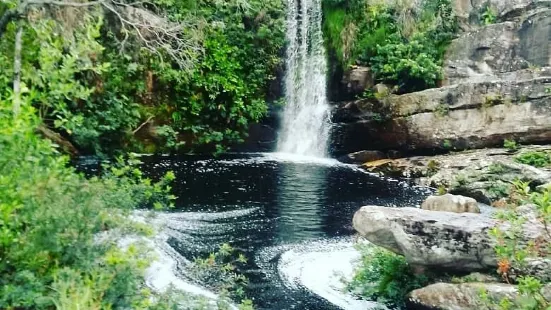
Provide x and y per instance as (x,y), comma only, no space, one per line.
(497,86)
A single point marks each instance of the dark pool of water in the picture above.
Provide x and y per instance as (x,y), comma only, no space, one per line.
(264,204)
(259,201)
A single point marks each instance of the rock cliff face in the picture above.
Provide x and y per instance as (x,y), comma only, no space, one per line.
(497,86)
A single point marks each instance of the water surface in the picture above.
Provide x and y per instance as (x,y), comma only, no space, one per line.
(291,216)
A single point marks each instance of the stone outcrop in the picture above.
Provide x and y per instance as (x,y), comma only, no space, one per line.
(357,80)
(484,175)
(462,116)
(441,240)
(451,203)
(464,296)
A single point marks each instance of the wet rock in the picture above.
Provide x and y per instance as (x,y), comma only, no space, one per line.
(484,175)
(441,240)
(362,157)
(451,203)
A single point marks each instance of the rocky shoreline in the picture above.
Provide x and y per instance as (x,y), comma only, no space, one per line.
(449,233)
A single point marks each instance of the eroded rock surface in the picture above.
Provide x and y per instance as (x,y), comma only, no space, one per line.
(464,296)
(440,240)
(484,175)
(451,203)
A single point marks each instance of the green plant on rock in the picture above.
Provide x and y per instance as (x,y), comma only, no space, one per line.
(492,100)
(489,15)
(384,276)
(511,145)
(442,110)
(512,255)
(534,158)
(496,168)
(432,167)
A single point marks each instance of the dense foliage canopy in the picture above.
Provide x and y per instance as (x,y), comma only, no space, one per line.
(142,75)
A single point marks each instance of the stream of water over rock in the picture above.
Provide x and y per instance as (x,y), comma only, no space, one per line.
(305,120)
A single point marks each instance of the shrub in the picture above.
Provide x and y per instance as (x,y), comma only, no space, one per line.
(384,276)
(511,145)
(404,44)
(61,233)
(534,158)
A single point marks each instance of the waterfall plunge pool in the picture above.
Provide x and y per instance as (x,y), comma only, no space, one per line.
(291,216)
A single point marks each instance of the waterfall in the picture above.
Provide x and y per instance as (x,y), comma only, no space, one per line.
(305,126)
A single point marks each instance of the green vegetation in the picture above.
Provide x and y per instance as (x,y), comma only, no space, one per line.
(385,277)
(511,145)
(402,42)
(220,271)
(513,256)
(51,217)
(442,110)
(488,16)
(62,234)
(433,167)
(534,158)
(192,76)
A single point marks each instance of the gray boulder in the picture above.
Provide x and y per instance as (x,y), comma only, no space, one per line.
(451,203)
(441,240)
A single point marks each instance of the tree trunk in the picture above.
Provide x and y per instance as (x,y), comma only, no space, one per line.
(17,70)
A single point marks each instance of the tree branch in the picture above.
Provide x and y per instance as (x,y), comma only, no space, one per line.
(8,16)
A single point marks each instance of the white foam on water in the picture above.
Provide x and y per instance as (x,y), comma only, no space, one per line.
(321,267)
(163,273)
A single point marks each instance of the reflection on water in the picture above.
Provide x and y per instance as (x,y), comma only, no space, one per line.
(299,189)
(280,212)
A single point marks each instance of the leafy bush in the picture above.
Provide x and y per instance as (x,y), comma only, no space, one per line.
(384,276)
(404,44)
(221,272)
(97,94)
(51,217)
(534,158)
(511,145)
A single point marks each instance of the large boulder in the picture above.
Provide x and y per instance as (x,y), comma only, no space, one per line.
(451,203)
(504,51)
(440,240)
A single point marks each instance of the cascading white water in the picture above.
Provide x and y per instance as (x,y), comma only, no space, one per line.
(305,126)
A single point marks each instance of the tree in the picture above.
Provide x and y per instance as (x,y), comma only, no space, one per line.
(137,20)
